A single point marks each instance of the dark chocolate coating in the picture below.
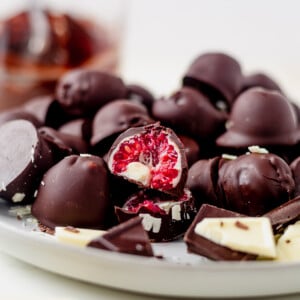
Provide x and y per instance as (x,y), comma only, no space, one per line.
(113,119)
(18,114)
(128,237)
(284,214)
(82,128)
(156,129)
(191,147)
(82,92)
(189,112)
(202,246)
(255,183)
(139,94)
(24,157)
(217,75)
(146,202)
(74,192)
(121,189)
(295,167)
(261,117)
(47,110)
(259,80)
(203,182)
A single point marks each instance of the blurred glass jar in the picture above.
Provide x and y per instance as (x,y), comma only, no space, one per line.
(42,39)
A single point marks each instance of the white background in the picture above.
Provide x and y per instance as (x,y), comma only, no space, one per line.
(164,36)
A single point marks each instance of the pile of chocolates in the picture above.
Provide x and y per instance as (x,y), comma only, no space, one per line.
(100,152)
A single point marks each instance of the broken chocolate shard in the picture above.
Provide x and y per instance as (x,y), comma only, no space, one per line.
(284,214)
(202,246)
(128,237)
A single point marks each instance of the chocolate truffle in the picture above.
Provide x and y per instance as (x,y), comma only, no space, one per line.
(202,246)
(139,94)
(217,75)
(82,92)
(295,167)
(203,182)
(18,114)
(165,218)
(129,237)
(191,148)
(82,128)
(190,113)
(113,119)
(151,156)
(46,110)
(284,214)
(255,183)
(261,117)
(74,192)
(259,80)
(24,157)
(63,140)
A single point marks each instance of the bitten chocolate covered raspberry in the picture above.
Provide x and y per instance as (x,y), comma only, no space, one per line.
(165,218)
(152,157)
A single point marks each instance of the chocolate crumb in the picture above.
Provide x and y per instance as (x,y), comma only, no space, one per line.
(72,229)
(241,225)
(46,229)
(288,241)
(221,224)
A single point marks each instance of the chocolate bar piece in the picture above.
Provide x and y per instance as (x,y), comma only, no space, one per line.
(284,214)
(128,237)
(202,246)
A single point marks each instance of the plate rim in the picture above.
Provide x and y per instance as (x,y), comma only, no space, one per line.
(12,234)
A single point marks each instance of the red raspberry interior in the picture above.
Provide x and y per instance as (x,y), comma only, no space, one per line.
(155,150)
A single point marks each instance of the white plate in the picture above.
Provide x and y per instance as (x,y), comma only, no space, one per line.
(180,274)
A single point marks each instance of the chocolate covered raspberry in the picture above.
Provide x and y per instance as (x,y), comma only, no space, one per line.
(165,218)
(152,157)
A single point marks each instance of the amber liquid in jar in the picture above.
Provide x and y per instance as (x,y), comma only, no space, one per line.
(36,48)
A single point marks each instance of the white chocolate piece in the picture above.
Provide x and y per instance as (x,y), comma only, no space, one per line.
(252,235)
(288,245)
(151,223)
(138,172)
(76,236)
(18,197)
(176,215)
(257,149)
